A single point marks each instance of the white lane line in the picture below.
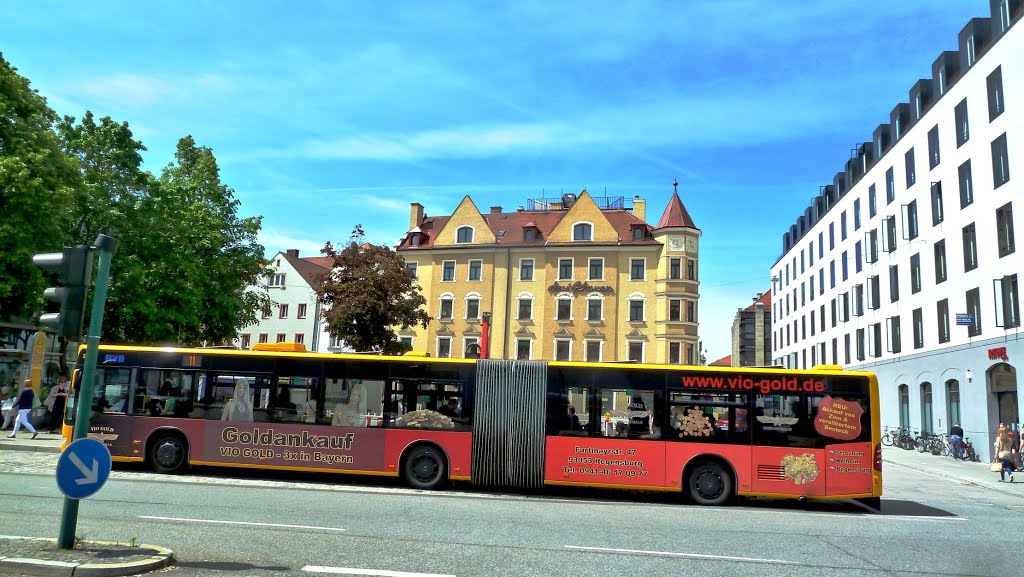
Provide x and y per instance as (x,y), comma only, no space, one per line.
(915,517)
(374,572)
(216,522)
(686,555)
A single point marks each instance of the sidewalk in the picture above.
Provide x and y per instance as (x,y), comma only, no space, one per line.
(32,556)
(44,443)
(965,471)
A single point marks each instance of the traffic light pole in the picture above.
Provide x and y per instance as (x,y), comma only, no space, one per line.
(107,246)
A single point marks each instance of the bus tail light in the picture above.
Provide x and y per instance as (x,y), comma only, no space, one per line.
(878,457)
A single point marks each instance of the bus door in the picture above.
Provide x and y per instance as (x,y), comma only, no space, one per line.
(109,422)
(842,420)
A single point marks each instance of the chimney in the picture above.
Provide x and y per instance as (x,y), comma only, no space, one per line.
(293,252)
(415,214)
(495,210)
(640,208)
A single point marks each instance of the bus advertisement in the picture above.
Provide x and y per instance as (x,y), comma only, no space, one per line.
(709,433)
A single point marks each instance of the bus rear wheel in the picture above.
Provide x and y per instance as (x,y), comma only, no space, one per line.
(168,454)
(709,483)
(424,468)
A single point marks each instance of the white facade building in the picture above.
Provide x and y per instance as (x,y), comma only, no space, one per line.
(917,230)
(294,315)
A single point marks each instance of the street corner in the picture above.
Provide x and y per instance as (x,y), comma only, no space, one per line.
(41,556)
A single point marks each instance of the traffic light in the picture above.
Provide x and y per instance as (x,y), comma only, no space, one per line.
(74,273)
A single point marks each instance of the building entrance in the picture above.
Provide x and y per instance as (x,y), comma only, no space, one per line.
(1002,380)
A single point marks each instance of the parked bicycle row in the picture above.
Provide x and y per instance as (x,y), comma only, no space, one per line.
(955,446)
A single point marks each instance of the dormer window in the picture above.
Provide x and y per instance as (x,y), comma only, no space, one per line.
(464,234)
(638,233)
(583,231)
(414,239)
(529,234)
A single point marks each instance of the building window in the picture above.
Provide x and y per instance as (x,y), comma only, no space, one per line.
(565,269)
(842,226)
(526,269)
(593,351)
(563,350)
(582,231)
(971,55)
(675,268)
(636,311)
(821,245)
(857,293)
(448,271)
(464,234)
(691,269)
(970,248)
(596,269)
(282,337)
(1007,304)
(635,351)
(472,308)
(858,263)
(300,338)
(470,347)
(895,336)
(915,273)
(691,312)
(529,234)
(926,409)
(974,308)
(564,309)
(444,347)
(937,214)
(942,315)
(856,219)
(638,233)
(940,261)
(918,329)
(953,402)
(447,305)
(910,220)
(245,340)
(283,311)
(691,356)
(994,82)
(414,239)
(890,186)
(870,246)
(966,185)
(1000,162)
(963,127)
(525,309)
(595,309)
(301,313)
(1004,229)
(264,337)
(475,270)
(894,283)
(904,395)
(523,349)
(276,280)
(675,310)
(861,354)
(675,356)
(874,295)
(266,312)
(845,266)
(933,147)
(832,275)
(636,269)
(872,202)
(412,268)
(407,341)
(889,233)
(1004,21)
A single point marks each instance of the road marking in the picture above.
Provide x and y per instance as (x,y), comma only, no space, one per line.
(374,572)
(915,517)
(686,555)
(216,522)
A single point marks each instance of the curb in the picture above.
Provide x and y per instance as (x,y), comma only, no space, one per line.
(161,558)
(950,476)
(35,448)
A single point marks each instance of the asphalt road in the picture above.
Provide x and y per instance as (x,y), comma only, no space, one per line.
(222,524)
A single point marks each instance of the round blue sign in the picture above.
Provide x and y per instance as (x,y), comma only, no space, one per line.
(83,468)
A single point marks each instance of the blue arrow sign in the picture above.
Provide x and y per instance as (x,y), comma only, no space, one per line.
(83,468)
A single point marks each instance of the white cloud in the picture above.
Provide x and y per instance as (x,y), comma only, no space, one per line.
(275,241)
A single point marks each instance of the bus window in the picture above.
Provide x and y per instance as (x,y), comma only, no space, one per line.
(630,413)
(569,411)
(427,404)
(710,418)
(784,421)
(295,399)
(164,393)
(248,401)
(353,403)
(110,393)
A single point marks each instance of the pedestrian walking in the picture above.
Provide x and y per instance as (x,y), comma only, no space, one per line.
(956,438)
(1004,453)
(24,406)
(55,402)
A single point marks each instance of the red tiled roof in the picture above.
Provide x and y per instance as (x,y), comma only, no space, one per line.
(765,299)
(310,271)
(321,261)
(675,214)
(722,362)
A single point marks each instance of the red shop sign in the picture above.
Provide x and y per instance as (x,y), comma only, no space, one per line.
(998,353)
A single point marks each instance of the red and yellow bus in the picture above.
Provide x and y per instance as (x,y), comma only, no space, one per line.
(709,433)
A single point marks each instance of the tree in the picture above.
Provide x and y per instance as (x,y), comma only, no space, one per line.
(36,184)
(368,292)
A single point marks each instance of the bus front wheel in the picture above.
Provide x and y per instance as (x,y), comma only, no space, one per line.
(168,454)
(424,468)
(709,483)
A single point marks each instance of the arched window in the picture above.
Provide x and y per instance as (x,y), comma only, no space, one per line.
(464,234)
(414,239)
(638,233)
(927,421)
(583,231)
(904,393)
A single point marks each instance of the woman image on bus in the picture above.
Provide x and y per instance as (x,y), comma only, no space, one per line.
(239,406)
(351,414)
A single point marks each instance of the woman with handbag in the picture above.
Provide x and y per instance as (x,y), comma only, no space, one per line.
(1005,454)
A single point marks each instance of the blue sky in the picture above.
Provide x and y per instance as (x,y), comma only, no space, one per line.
(325,115)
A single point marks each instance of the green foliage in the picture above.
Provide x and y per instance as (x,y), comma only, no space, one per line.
(368,292)
(36,183)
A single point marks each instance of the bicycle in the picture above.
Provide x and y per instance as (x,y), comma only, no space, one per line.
(888,439)
(969,453)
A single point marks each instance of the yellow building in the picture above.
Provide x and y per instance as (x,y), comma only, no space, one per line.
(577,278)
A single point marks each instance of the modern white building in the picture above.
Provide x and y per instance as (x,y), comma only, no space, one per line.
(906,265)
(294,314)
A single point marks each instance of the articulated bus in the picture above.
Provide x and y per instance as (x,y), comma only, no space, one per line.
(708,433)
